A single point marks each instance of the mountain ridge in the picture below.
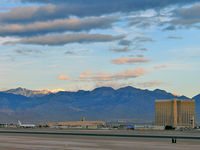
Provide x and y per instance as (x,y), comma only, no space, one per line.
(31,93)
(103,103)
(27,92)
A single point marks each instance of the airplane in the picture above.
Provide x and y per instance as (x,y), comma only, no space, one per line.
(26,125)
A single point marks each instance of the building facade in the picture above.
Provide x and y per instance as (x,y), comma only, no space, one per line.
(75,124)
(175,113)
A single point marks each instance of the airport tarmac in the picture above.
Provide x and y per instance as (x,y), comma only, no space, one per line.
(39,142)
(193,133)
(73,142)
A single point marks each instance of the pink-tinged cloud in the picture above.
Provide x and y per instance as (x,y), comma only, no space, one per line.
(150,84)
(56,90)
(59,25)
(160,66)
(85,74)
(175,94)
(63,77)
(130,73)
(125,60)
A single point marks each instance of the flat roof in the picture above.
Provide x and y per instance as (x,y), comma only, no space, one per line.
(168,100)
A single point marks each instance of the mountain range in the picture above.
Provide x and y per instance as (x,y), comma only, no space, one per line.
(103,103)
(28,93)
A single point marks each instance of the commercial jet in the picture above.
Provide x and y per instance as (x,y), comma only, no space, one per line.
(26,125)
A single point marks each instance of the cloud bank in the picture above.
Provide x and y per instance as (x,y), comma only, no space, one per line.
(65,8)
(68,39)
(61,25)
(184,18)
(127,74)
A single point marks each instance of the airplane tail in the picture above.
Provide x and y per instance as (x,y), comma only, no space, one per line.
(19,123)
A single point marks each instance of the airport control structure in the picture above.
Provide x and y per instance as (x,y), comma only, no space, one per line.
(175,113)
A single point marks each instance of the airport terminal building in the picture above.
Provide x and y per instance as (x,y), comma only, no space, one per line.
(75,124)
(175,113)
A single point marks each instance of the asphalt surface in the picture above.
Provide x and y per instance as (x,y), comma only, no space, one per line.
(108,133)
(23,141)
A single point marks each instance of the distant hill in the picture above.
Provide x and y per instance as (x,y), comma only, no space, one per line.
(27,93)
(197,98)
(104,103)
(197,101)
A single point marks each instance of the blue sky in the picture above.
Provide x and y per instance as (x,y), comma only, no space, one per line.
(76,44)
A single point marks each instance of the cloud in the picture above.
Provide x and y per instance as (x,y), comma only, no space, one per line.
(175,94)
(174,37)
(171,27)
(144,2)
(19,14)
(4,89)
(63,77)
(36,13)
(77,51)
(27,52)
(85,74)
(65,8)
(127,74)
(150,84)
(7,39)
(125,60)
(125,42)
(139,47)
(139,43)
(143,49)
(160,66)
(61,25)
(68,39)
(141,39)
(143,21)
(140,55)
(119,50)
(184,18)
(70,53)
(56,90)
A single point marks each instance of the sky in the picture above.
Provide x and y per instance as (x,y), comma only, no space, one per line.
(84,44)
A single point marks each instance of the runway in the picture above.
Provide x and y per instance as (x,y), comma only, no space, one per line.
(28,141)
(103,133)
